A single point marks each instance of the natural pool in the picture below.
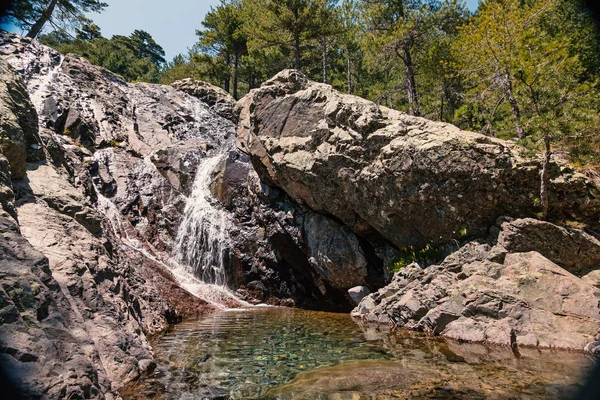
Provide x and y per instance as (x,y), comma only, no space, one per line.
(281,353)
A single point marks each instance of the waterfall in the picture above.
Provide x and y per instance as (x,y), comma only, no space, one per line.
(202,238)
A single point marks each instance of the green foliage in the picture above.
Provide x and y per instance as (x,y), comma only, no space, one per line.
(407,255)
(136,57)
(224,42)
(290,25)
(62,15)
(407,46)
(524,70)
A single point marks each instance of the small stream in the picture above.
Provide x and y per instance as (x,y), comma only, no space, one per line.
(280,353)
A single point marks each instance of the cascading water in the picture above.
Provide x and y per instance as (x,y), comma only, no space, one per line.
(202,239)
(191,251)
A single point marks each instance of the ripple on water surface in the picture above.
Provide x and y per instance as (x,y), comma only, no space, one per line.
(282,353)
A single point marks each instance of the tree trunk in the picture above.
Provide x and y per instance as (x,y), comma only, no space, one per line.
(227,78)
(297,51)
(544,177)
(39,24)
(514,106)
(226,84)
(442,105)
(411,87)
(236,63)
(348,73)
(324,41)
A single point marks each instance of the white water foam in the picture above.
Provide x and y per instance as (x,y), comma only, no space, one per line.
(202,239)
(214,294)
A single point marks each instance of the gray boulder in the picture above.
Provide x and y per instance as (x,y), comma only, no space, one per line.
(573,249)
(358,293)
(410,180)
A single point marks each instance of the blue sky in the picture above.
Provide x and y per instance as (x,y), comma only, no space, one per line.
(171,23)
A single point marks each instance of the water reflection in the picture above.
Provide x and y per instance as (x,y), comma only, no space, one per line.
(287,353)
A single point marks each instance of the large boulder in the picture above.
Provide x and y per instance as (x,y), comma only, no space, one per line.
(412,181)
(485,293)
(573,249)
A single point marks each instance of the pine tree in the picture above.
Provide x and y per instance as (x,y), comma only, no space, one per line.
(400,30)
(224,37)
(522,63)
(33,15)
(289,24)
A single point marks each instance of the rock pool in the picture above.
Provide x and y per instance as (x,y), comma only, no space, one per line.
(281,353)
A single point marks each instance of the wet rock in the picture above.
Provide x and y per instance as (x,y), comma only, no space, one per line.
(413,181)
(82,283)
(349,377)
(334,252)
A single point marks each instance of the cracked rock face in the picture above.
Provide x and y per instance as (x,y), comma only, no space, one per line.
(137,145)
(100,181)
(216,98)
(486,292)
(413,181)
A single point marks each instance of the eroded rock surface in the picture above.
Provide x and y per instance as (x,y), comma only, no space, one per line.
(101,202)
(573,249)
(19,141)
(285,253)
(100,181)
(410,180)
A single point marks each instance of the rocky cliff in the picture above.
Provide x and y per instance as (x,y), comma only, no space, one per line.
(82,285)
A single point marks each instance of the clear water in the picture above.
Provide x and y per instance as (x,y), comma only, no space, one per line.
(284,353)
